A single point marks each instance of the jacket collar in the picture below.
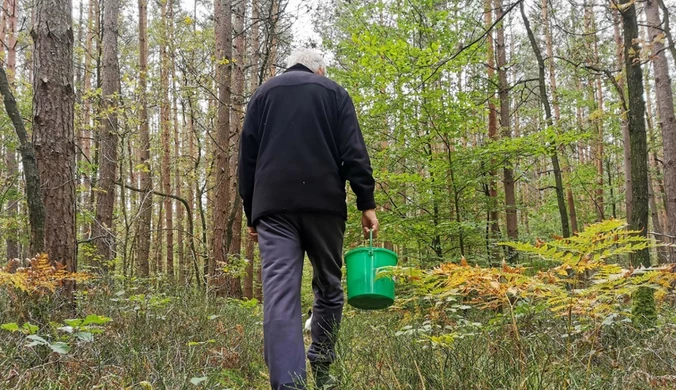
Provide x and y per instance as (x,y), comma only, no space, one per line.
(299,67)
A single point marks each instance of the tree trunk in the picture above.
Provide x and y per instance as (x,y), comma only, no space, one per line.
(254,80)
(655,173)
(103,229)
(36,211)
(165,124)
(145,177)
(237,116)
(637,130)
(555,105)
(180,237)
(273,19)
(598,120)
(624,122)
(565,229)
(159,234)
(180,250)
(191,188)
(12,166)
(94,144)
(506,130)
(86,131)
(53,102)
(667,29)
(493,215)
(222,285)
(665,111)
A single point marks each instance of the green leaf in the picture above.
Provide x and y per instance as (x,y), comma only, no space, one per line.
(197,380)
(85,336)
(94,319)
(193,343)
(74,323)
(29,328)
(67,329)
(60,347)
(37,340)
(12,327)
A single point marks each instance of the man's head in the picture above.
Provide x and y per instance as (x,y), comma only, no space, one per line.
(308,58)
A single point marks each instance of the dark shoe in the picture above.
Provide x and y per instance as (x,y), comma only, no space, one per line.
(323,380)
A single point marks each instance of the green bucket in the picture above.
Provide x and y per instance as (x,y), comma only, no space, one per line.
(364,291)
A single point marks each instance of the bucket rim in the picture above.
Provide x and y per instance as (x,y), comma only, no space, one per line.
(367,249)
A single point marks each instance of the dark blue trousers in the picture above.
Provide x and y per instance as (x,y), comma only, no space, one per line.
(284,239)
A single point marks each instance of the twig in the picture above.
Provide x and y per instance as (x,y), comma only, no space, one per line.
(422,380)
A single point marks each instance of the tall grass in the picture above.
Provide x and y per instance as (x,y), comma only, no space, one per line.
(375,356)
(164,338)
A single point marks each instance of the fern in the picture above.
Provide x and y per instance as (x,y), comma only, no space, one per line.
(581,282)
(40,278)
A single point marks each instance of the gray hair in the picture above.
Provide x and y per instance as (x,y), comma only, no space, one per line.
(307,57)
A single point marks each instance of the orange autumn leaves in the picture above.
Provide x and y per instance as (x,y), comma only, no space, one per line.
(40,277)
(577,276)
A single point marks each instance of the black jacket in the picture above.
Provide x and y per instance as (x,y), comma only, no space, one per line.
(300,143)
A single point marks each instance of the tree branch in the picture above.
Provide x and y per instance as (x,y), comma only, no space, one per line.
(190,222)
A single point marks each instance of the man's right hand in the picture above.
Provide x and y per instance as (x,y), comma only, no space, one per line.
(253,234)
(369,221)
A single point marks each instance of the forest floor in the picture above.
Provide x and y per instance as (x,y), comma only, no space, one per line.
(160,337)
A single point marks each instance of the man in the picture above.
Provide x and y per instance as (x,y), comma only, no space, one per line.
(300,143)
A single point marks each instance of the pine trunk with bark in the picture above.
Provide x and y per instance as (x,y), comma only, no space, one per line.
(86,131)
(165,126)
(53,103)
(511,216)
(145,176)
(493,233)
(12,165)
(103,229)
(652,174)
(222,285)
(665,112)
(273,20)
(254,80)
(637,131)
(237,116)
(654,162)
(598,120)
(619,45)
(178,180)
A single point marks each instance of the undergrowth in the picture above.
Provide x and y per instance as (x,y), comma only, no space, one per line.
(568,325)
(180,340)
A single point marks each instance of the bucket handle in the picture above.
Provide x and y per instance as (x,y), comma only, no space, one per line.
(371,242)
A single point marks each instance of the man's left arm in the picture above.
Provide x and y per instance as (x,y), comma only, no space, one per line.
(248,154)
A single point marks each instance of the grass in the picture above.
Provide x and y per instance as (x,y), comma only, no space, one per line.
(166,338)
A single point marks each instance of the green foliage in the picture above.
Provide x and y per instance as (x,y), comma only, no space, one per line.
(77,330)
(416,72)
(644,310)
(27,328)
(168,340)
(185,340)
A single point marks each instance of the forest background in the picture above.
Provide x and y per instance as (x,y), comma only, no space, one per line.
(490,123)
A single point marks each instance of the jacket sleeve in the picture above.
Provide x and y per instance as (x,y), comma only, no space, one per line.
(248,154)
(354,156)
